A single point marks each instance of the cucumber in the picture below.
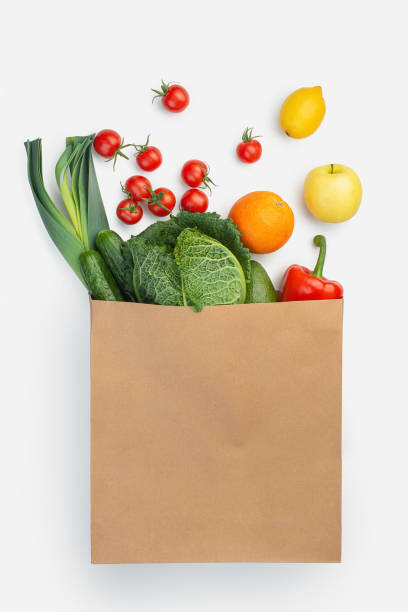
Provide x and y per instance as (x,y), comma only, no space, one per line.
(109,244)
(99,280)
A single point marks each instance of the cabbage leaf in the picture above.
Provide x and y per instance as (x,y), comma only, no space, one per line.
(156,277)
(210,273)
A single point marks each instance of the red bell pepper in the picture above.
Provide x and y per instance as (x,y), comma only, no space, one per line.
(300,283)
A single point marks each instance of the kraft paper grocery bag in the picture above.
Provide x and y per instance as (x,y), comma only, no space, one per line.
(216,436)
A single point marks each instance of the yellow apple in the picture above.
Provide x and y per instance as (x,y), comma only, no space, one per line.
(333,193)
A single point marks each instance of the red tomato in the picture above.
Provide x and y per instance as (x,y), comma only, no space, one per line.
(107,142)
(129,212)
(174,97)
(161,201)
(249,150)
(138,188)
(194,200)
(195,173)
(149,158)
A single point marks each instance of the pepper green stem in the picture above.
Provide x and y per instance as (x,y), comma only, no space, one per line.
(320,241)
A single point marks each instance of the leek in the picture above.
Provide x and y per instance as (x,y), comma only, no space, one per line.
(78,186)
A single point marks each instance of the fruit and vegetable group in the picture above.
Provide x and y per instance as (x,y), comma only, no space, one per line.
(250,149)
(302,112)
(333,193)
(265,221)
(194,258)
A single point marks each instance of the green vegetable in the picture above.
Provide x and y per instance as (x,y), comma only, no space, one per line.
(110,245)
(194,259)
(261,289)
(156,277)
(98,278)
(222,230)
(78,186)
(165,233)
(210,273)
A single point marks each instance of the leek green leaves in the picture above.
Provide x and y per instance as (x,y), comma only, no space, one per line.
(78,186)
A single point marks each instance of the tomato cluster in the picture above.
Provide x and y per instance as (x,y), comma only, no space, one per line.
(109,144)
(160,202)
(194,172)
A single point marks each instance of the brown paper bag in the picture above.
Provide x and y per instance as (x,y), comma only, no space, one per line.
(216,436)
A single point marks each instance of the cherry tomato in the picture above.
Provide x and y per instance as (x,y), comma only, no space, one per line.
(161,201)
(129,212)
(174,97)
(194,200)
(138,188)
(249,150)
(108,143)
(195,173)
(149,158)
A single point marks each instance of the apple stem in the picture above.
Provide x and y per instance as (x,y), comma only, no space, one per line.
(320,241)
(332,168)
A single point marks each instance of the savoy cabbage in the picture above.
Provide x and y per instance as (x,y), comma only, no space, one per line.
(194,259)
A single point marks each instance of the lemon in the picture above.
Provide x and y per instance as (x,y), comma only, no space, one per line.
(260,289)
(302,112)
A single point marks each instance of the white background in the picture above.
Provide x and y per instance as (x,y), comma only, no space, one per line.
(77,67)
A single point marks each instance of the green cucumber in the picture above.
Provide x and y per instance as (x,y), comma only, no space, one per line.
(99,280)
(110,244)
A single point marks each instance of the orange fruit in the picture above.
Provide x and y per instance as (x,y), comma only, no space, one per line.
(264,220)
